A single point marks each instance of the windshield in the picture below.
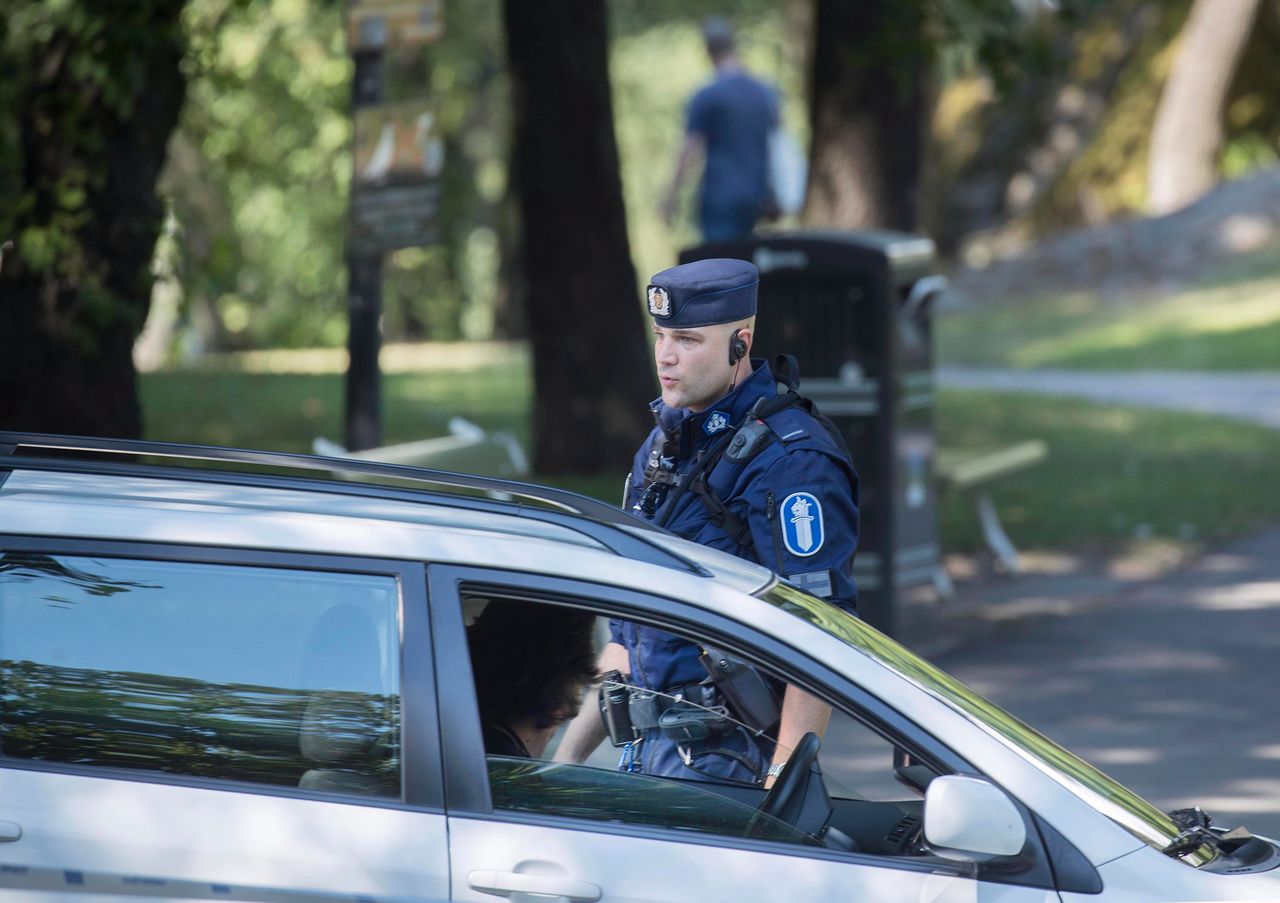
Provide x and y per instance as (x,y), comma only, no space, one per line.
(1116,801)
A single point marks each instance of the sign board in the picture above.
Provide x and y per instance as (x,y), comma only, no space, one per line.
(395,193)
(395,188)
(393,24)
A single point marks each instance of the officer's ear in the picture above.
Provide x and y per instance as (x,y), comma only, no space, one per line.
(737,347)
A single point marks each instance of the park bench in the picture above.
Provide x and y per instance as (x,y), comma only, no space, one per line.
(972,471)
(467,449)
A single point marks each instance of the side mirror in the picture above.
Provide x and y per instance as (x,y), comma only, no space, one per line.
(971,820)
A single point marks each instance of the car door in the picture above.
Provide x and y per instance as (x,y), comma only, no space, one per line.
(216,723)
(535,830)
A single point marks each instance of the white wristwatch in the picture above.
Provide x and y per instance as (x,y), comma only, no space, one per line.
(775,769)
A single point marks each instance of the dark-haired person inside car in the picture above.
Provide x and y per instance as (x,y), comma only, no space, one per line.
(531,664)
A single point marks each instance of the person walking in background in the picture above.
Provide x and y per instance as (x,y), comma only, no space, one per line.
(727,127)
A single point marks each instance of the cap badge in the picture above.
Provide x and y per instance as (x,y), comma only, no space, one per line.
(659,301)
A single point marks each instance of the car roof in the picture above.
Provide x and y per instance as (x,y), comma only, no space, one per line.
(113,489)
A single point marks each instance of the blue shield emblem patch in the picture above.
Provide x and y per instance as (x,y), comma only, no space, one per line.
(715,422)
(802,529)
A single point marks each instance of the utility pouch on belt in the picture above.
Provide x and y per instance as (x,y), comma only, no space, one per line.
(749,696)
(687,723)
(615,708)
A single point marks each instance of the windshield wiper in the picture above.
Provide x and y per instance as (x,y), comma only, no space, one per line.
(1196,830)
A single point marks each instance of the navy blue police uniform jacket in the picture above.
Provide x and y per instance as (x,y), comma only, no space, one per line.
(799,496)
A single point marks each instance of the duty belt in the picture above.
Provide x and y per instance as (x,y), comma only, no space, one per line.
(646,706)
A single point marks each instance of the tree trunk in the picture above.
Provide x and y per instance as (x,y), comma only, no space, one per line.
(867,112)
(94,108)
(1031,135)
(592,372)
(1187,135)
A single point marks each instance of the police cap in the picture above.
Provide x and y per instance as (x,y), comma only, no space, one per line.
(704,293)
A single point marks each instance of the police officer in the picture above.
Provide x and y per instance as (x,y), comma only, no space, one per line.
(737,462)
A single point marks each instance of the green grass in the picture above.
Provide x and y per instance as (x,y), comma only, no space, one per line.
(1231,321)
(285,411)
(1114,476)
(222,405)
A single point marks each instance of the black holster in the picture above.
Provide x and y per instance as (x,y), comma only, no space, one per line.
(615,708)
(686,723)
(748,694)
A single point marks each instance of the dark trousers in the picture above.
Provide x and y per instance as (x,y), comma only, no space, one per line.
(736,756)
(727,222)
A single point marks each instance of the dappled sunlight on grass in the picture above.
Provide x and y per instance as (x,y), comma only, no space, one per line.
(285,411)
(1237,339)
(1115,478)
(395,357)
(1231,324)
(1119,421)
(279,412)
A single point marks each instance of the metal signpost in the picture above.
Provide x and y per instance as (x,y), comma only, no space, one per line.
(395,189)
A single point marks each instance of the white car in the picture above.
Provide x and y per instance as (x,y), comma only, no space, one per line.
(250,679)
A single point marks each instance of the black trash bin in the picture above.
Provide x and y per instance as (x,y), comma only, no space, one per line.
(854,308)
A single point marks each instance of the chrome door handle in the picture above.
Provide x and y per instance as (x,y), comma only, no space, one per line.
(504,884)
(10,832)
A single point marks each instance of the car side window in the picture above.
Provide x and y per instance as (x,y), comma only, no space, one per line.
(269,675)
(860,764)
(874,808)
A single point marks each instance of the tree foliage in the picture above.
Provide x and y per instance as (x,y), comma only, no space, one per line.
(89,94)
(260,174)
(259,168)
(874,71)
(1067,143)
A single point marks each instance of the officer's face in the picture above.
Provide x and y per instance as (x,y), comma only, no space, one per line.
(693,365)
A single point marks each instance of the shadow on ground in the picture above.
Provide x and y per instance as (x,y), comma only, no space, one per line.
(1166,683)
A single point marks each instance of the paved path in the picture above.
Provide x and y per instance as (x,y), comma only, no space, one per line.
(1248,396)
(1168,684)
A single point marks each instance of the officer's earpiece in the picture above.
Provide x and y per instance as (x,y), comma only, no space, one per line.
(737,348)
